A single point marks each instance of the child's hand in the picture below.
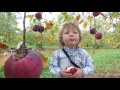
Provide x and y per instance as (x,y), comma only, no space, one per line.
(78,73)
(66,74)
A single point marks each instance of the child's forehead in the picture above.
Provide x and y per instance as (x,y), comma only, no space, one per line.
(70,27)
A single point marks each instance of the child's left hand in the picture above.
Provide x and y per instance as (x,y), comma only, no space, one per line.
(78,73)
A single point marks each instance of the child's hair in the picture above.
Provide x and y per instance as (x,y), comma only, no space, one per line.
(65,25)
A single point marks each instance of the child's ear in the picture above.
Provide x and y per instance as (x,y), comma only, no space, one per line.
(61,39)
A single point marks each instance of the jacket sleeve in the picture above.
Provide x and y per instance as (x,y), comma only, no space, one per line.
(54,68)
(89,67)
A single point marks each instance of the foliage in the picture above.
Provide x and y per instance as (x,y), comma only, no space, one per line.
(103,23)
(8,30)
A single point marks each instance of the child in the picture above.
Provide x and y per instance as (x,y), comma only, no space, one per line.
(69,38)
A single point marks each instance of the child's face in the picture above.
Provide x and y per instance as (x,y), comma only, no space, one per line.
(70,36)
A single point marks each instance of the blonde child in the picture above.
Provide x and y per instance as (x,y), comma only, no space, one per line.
(70,38)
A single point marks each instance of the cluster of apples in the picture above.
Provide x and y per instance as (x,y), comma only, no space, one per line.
(98,35)
(38,27)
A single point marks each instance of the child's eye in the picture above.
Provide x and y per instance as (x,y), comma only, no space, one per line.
(75,32)
(66,33)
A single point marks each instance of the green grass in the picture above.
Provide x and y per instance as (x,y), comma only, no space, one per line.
(46,73)
(1,72)
(107,61)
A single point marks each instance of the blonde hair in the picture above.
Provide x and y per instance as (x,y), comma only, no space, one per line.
(67,24)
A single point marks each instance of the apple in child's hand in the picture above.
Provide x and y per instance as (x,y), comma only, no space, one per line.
(71,69)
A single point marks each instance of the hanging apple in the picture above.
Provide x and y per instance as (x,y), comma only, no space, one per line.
(98,35)
(38,15)
(35,28)
(93,31)
(29,66)
(41,29)
(24,62)
(38,28)
(95,14)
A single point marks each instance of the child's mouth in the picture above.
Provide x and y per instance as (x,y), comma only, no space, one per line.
(71,39)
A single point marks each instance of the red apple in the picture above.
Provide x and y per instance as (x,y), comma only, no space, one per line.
(41,29)
(93,31)
(95,14)
(38,15)
(98,35)
(30,66)
(71,69)
(36,28)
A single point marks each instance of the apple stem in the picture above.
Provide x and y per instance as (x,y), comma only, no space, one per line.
(95,44)
(90,22)
(95,35)
(21,49)
(39,24)
(41,41)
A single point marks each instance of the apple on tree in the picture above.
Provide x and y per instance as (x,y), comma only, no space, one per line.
(95,14)
(36,28)
(98,35)
(24,62)
(29,66)
(41,29)
(93,30)
(38,15)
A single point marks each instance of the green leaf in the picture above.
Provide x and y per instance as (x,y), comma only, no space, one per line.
(34,20)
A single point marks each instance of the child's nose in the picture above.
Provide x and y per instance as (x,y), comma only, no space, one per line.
(71,34)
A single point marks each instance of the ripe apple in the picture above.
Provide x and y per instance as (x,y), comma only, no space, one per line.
(95,14)
(38,15)
(30,66)
(71,69)
(36,28)
(98,35)
(93,31)
(41,29)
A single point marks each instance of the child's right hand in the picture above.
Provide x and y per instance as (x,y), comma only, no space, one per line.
(65,73)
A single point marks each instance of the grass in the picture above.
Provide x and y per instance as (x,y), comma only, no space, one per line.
(46,73)
(1,72)
(106,61)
